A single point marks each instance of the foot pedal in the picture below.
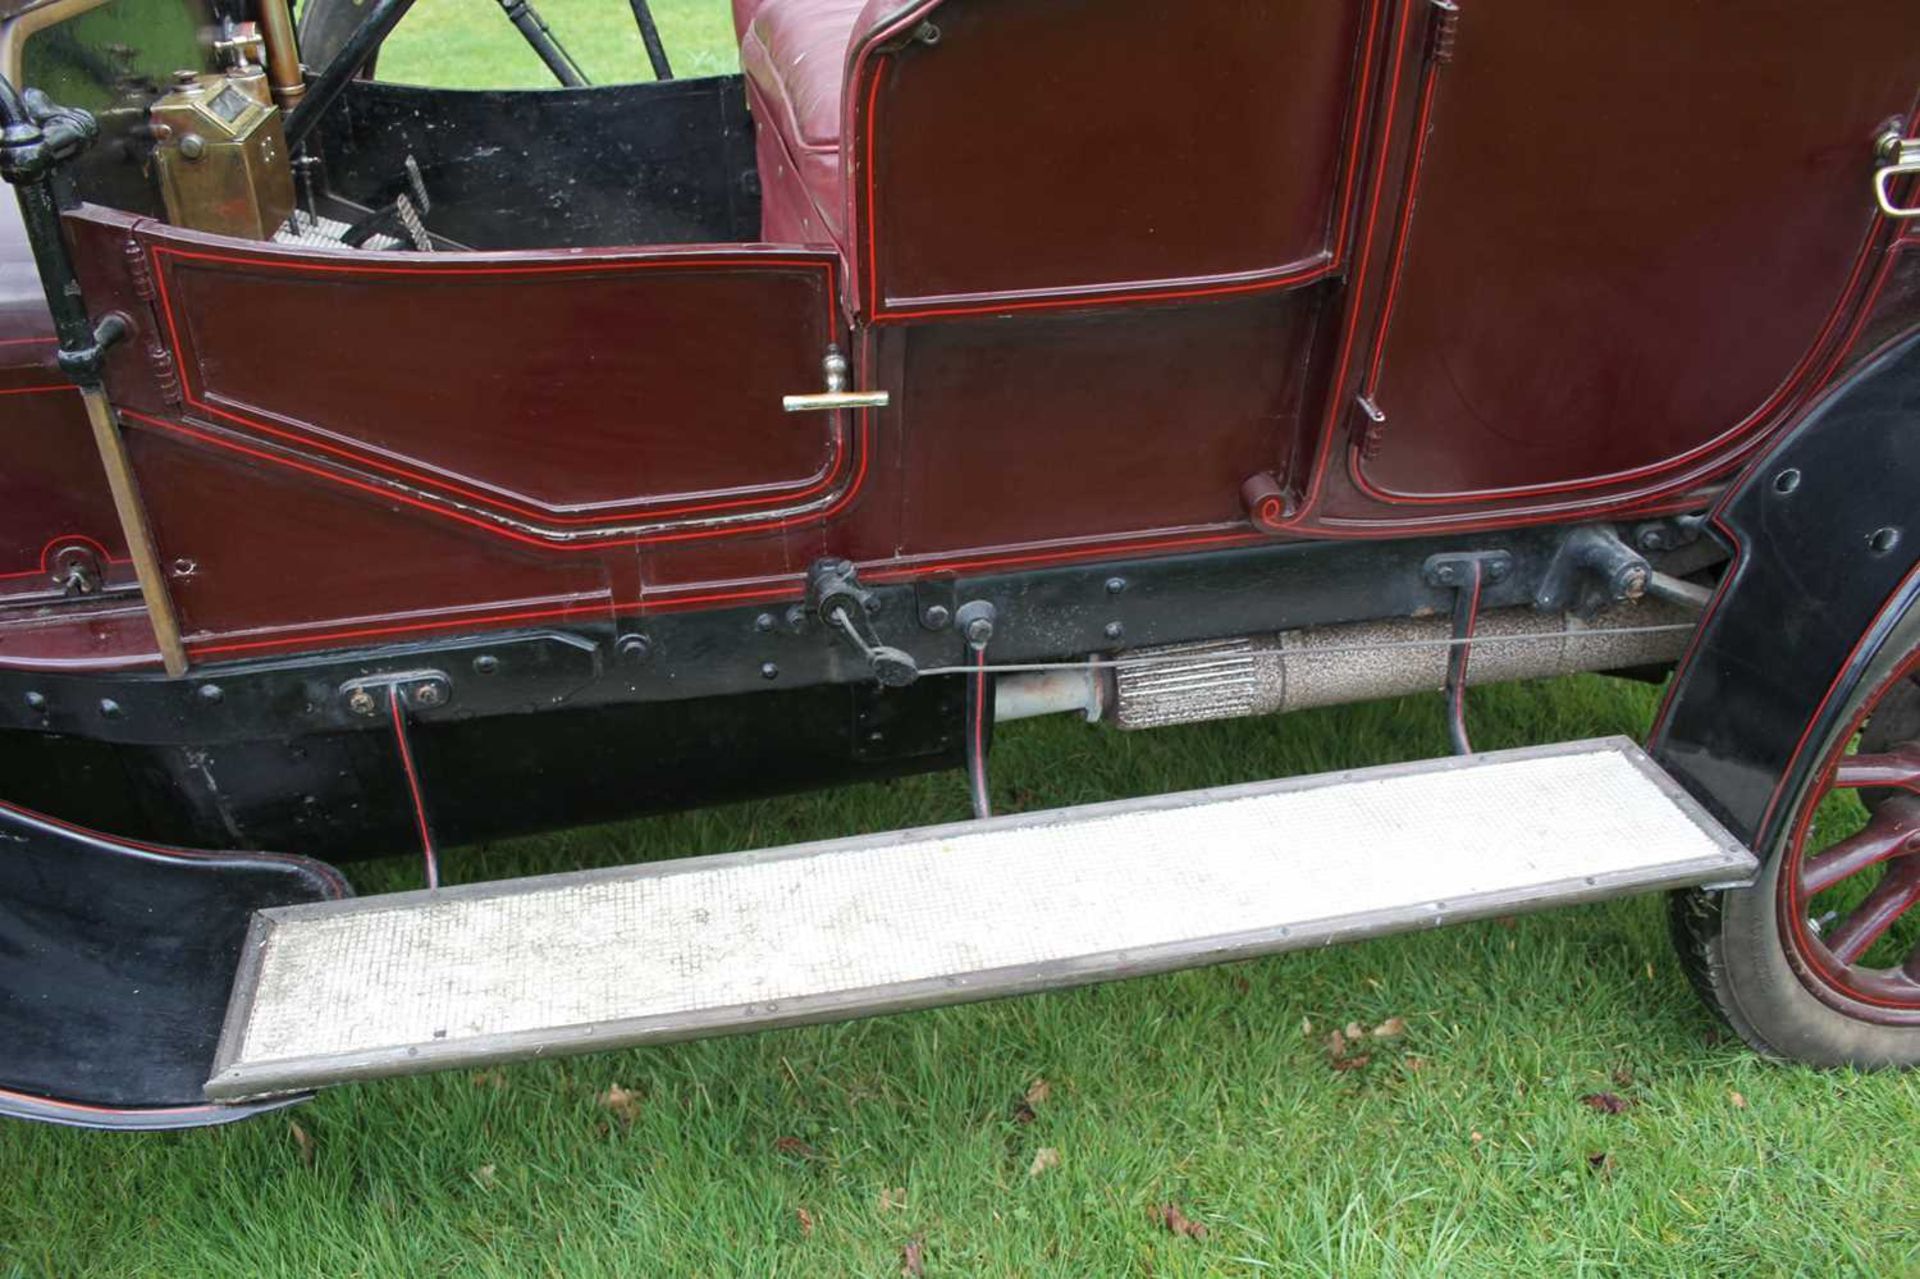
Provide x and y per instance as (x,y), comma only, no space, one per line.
(116,965)
(604,959)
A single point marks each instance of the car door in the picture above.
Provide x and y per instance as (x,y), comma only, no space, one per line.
(1630,239)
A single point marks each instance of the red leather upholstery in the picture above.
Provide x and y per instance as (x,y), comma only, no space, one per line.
(794,54)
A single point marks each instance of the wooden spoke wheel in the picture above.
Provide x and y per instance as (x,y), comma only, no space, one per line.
(1851,880)
(1819,960)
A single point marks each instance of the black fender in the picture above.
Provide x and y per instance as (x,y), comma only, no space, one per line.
(1825,534)
(116,960)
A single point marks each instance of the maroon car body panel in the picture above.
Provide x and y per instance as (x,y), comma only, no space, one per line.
(1519,266)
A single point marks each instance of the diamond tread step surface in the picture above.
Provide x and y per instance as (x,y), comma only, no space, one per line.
(410,982)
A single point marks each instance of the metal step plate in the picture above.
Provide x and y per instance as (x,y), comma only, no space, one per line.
(675,950)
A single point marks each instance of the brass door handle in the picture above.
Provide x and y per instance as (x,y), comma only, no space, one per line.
(836,397)
(1899,158)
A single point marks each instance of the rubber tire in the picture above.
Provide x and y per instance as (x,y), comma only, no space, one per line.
(1730,947)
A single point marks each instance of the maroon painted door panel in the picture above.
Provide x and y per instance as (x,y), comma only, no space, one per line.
(1633,229)
(564,397)
(1036,154)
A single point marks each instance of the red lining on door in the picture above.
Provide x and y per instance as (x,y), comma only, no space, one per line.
(822,482)
(1290,275)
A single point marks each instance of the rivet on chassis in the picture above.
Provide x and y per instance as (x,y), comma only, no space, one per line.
(428,694)
(634,649)
(361,702)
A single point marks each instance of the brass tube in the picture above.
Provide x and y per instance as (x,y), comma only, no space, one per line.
(284,76)
(133,523)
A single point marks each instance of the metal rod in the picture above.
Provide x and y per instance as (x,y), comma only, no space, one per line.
(1466,617)
(540,38)
(285,79)
(133,525)
(35,136)
(332,79)
(650,36)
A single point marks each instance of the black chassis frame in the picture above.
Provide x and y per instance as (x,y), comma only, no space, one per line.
(537,729)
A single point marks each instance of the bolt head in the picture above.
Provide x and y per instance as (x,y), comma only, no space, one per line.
(1115,630)
(764,623)
(36,701)
(485,664)
(634,648)
(210,693)
(936,617)
(769,670)
(1115,585)
(979,631)
(193,146)
(360,702)
(428,694)
(111,709)
(797,618)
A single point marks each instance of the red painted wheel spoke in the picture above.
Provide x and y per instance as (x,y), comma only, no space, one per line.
(1891,898)
(1895,829)
(1898,769)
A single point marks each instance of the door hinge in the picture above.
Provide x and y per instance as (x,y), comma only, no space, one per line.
(160,362)
(1446,24)
(1370,430)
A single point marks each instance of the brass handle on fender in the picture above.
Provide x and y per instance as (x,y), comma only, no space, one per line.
(836,397)
(1899,158)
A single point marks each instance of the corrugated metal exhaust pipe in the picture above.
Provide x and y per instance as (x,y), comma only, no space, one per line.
(1330,665)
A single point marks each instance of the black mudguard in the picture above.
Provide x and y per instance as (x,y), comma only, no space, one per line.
(1825,532)
(116,959)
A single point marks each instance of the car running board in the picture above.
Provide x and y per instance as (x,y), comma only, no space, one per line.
(378,986)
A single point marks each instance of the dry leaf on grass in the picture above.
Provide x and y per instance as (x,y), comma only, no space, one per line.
(1391,1028)
(1169,1216)
(1044,1159)
(489,1079)
(806,1221)
(1608,1103)
(622,1102)
(1038,1092)
(895,1197)
(484,1174)
(301,1141)
(795,1147)
(1739,1101)
(913,1258)
(1355,1031)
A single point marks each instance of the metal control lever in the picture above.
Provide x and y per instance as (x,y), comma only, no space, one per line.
(846,606)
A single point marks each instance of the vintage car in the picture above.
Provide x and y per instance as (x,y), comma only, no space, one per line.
(389,467)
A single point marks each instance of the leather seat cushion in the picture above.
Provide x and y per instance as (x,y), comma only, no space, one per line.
(794,54)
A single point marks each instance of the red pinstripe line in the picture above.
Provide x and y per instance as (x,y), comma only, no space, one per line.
(1287,277)
(1396,255)
(1336,393)
(488,526)
(38,390)
(106,557)
(427,850)
(605,608)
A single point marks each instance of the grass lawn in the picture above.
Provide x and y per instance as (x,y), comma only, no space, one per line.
(1461,1145)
